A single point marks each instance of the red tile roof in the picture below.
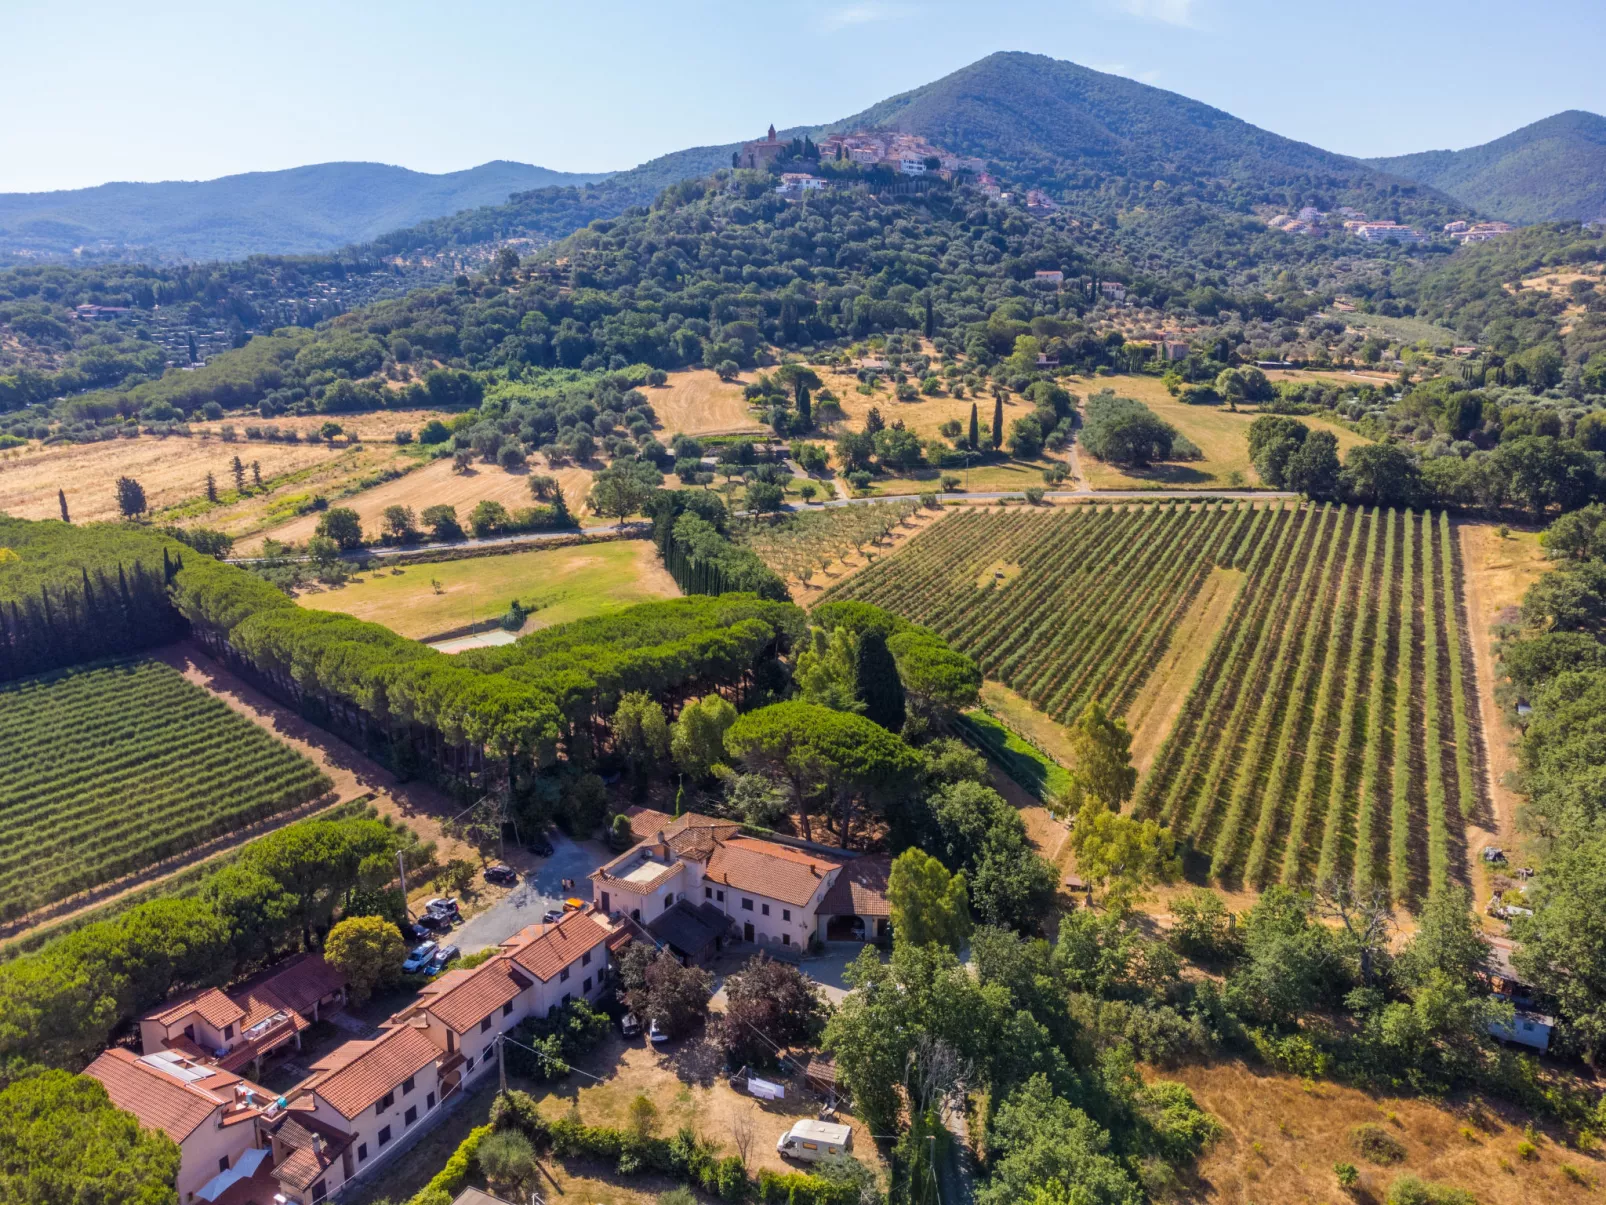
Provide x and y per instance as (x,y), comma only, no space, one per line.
(778,872)
(861,888)
(646,824)
(301,982)
(376,1070)
(215,1009)
(313,1146)
(544,950)
(158,1100)
(462,1005)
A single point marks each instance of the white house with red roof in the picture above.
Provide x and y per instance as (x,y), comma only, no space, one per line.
(239,1028)
(768,893)
(208,1112)
(366,1094)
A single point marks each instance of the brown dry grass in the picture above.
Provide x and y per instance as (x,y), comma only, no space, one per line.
(699,403)
(1160,701)
(1283,1135)
(1497,573)
(1221,434)
(684,1081)
(434,484)
(172,470)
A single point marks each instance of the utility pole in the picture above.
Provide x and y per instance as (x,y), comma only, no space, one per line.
(401,873)
(501,1060)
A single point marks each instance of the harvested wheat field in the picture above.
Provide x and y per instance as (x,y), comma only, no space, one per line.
(437,484)
(699,403)
(172,470)
(1282,1136)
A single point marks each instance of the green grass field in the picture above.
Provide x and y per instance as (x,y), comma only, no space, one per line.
(557,584)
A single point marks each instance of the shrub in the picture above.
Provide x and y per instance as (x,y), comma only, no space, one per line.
(1034,495)
(507,1157)
(1408,1190)
(1347,1173)
(1376,1145)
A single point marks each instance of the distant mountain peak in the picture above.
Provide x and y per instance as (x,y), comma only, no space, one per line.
(1552,169)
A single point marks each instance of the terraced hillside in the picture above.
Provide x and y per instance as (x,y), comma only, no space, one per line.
(1331,729)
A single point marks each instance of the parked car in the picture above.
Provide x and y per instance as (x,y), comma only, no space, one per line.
(629,1025)
(498,872)
(442,956)
(540,846)
(551,915)
(444,909)
(411,932)
(656,1034)
(419,957)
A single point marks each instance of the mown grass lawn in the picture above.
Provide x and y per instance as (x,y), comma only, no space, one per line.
(557,584)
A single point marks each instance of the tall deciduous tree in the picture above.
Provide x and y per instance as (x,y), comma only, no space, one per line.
(1101,750)
(928,904)
(1121,854)
(369,951)
(697,737)
(130,497)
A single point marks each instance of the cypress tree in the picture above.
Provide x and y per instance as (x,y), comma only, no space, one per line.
(998,420)
(877,684)
(805,408)
(975,428)
(61,497)
(931,325)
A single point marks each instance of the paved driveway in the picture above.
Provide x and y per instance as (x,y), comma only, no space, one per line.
(537,891)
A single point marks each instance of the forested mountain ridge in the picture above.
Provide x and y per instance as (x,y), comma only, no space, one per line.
(1552,170)
(1071,130)
(320,207)
(1096,142)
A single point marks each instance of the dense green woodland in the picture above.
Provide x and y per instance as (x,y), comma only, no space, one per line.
(1552,169)
(48,351)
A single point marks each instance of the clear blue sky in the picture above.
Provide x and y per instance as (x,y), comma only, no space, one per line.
(95,91)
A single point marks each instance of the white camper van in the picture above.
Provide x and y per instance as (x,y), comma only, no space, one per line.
(812,1140)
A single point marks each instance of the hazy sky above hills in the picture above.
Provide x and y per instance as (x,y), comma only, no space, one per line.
(97,91)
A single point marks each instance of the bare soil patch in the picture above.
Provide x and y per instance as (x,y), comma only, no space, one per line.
(172,470)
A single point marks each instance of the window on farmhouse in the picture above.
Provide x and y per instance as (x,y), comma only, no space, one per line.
(747,905)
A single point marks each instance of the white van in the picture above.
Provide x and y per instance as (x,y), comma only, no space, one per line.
(812,1140)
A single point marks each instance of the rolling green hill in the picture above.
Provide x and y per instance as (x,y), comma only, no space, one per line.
(305,209)
(1552,170)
